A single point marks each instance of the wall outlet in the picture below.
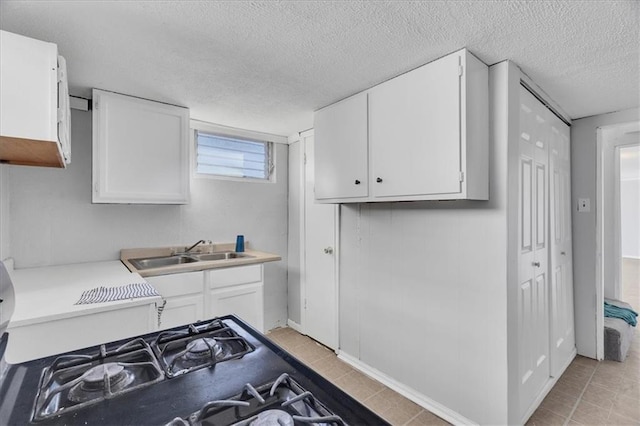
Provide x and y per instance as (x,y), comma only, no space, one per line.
(584,205)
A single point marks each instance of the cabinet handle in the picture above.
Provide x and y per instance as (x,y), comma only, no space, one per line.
(379,180)
(357,182)
(536,264)
(328,250)
(562,253)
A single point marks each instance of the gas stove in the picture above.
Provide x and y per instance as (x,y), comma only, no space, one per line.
(218,372)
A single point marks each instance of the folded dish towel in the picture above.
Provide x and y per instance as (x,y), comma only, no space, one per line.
(109,294)
(626,314)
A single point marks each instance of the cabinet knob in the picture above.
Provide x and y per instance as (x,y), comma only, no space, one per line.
(536,264)
(379,180)
(563,253)
(328,250)
(357,182)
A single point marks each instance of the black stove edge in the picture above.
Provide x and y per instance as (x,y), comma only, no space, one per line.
(305,370)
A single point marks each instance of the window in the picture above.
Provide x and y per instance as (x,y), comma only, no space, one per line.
(233,157)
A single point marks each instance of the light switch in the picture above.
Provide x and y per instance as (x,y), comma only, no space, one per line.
(584,205)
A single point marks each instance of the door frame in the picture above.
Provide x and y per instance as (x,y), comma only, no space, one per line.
(607,146)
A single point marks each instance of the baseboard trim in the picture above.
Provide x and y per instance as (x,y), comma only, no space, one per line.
(425,402)
(297,327)
(547,388)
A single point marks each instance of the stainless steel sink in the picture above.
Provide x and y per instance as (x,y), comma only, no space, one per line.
(158,262)
(179,259)
(221,256)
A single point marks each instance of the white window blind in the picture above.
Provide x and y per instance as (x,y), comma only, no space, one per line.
(233,157)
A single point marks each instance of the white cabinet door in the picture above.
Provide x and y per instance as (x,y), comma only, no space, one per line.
(181,310)
(341,149)
(184,294)
(140,151)
(414,123)
(244,301)
(238,291)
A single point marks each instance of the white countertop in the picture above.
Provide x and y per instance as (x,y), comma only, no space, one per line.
(49,293)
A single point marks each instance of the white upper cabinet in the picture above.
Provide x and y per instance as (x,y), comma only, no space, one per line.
(426,137)
(29,114)
(140,151)
(342,161)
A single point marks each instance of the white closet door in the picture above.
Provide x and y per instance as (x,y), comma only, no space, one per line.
(561,270)
(320,304)
(533,295)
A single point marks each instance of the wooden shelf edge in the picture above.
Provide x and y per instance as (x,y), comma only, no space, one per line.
(30,152)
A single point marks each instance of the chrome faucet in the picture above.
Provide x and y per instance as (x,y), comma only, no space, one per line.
(194,246)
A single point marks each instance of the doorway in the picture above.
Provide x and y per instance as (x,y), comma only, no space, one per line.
(615,151)
(628,158)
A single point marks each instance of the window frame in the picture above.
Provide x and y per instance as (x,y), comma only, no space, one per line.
(240,134)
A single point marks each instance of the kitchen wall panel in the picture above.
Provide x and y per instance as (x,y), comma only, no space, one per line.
(423,295)
(53,221)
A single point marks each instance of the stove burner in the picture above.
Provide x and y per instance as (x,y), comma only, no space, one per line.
(273,417)
(93,382)
(73,382)
(198,346)
(203,348)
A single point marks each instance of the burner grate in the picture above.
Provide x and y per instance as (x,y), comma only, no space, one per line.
(196,347)
(76,381)
(282,402)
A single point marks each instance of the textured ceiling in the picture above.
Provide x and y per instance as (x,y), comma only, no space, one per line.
(267,65)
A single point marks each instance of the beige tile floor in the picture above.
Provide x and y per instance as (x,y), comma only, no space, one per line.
(595,393)
(588,393)
(388,404)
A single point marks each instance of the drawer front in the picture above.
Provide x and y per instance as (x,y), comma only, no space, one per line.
(235,276)
(178,284)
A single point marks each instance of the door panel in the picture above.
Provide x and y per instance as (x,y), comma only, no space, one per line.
(533,324)
(562,339)
(319,307)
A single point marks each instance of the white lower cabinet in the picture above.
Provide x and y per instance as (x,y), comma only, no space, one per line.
(184,297)
(197,296)
(237,291)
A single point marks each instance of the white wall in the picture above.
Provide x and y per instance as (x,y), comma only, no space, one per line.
(583,185)
(630,200)
(630,217)
(53,221)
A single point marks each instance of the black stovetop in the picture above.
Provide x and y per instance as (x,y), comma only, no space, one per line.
(180,396)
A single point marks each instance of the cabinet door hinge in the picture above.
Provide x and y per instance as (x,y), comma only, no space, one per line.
(305,303)
(305,158)
(461,177)
(460,70)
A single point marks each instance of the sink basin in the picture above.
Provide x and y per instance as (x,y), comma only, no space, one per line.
(221,256)
(158,262)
